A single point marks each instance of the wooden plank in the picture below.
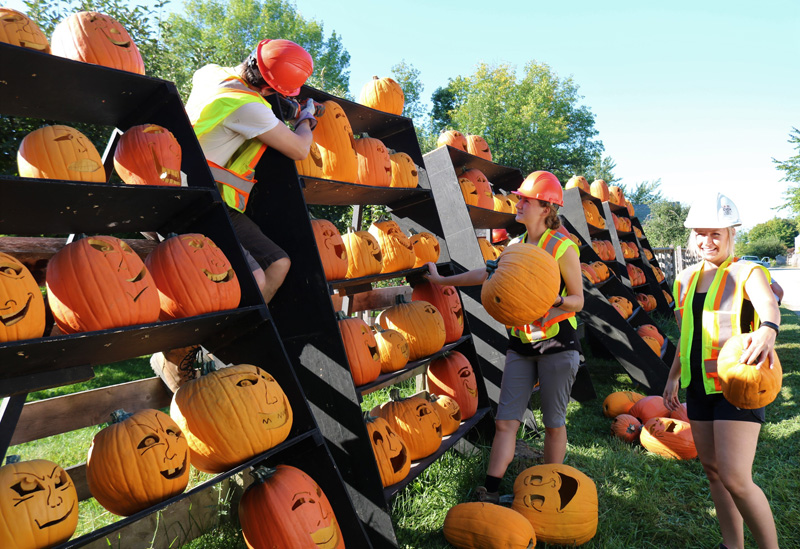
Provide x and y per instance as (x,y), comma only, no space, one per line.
(61,414)
(78,475)
(379,298)
(30,249)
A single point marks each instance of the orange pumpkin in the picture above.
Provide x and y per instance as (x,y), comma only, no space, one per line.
(364,256)
(454,139)
(311,165)
(21,302)
(631,210)
(653,344)
(374,164)
(647,253)
(331,248)
(446,407)
(477,146)
(361,349)
(60,152)
(447,301)
(337,147)
(383,94)
(452,375)
(483,189)
(488,251)
(658,272)
(396,248)
(648,408)
(601,270)
(667,296)
(578,181)
(148,155)
(415,421)
(486,525)
(681,413)
(391,453)
(589,272)
(670,438)
(626,427)
(747,386)
(393,349)
(620,402)
(18,30)
(420,323)
(622,305)
(468,191)
(592,214)
(616,195)
(404,171)
(599,189)
(650,331)
(647,301)
(426,248)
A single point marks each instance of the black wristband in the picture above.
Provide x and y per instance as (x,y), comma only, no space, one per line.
(771,325)
(560,303)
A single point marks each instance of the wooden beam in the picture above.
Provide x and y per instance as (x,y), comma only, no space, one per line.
(30,249)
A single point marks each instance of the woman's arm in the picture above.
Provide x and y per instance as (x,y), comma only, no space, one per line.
(474,277)
(671,400)
(570,267)
(759,343)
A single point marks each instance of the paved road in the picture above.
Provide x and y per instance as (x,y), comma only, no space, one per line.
(789,279)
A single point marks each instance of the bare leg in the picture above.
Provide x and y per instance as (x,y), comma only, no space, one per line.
(503,446)
(555,444)
(270,279)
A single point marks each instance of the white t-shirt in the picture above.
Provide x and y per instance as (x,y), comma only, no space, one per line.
(244,123)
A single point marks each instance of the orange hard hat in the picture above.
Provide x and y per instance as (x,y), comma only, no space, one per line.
(498,235)
(542,185)
(284,65)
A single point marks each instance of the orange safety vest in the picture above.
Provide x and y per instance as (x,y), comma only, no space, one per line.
(556,244)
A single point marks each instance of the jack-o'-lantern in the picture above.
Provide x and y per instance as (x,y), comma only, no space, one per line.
(453,138)
(311,165)
(631,210)
(193,277)
(17,29)
(592,214)
(578,181)
(616,195)
(414,420)
(404,171)
(39,507)
(21,302)
(148,155)
(364,256)
(420,323)
(600,249)
(332,250)
(97,283)
(426,248)
(668,437)
(479,525)
(96,38)
(623,305)
(681,413)
(636,275)
(393,349)
(488,251)
(620,402)
(449,412)
(559,501)
(601,270)
(231,415)
(626,427)
(452,375)
(398,253)
(361,349)
(659,273)
(137,461)
(468,191)
(747,386)
(477,146)
(390,451)
(447,301)
(647,253)
(653,344)
(651,331)
(590,274)
(504,204)
(667,296)
(383,94)
(285,507)
(649,407)
(482,188)
(646,301)
(374,164)
(337,145)
(599,189)
(60,152)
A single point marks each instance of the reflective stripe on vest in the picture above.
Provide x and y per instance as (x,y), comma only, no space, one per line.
(546,327)
(721,315)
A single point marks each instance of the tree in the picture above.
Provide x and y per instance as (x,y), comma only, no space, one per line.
(408,78)
(791,168)
(664,225)
(783,230)
(602,168)
(646,192)
(444,103)
(769,246)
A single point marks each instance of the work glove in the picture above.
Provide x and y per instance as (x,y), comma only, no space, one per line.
(307,113)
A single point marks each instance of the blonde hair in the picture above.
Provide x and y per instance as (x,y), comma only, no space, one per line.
(552,220)
(694,251)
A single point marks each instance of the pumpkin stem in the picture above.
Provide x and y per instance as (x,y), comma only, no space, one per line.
(368,417)
(206,367)
(262,473)
(13,458)
(364,135)
(394,394)
(118,416)
(341,315)
(491,267)
(400,299)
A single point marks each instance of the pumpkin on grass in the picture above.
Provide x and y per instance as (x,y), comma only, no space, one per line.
(449,412)
(671,438)
(148,155)
(361,349)
(391,453)
(479,525)
(452,375)
(414,420)
(747,386)
(620,402)
(626,427)
(21,303)
(332,250)
(383,94)
(681,413)
(447,301)
(649,407)
(60,152)
(421,324)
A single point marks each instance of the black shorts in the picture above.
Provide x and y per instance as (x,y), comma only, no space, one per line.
(260,251)
(702,407)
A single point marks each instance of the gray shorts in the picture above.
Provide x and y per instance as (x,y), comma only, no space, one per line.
(555,374)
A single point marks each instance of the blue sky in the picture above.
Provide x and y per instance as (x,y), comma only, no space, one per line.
(698,94)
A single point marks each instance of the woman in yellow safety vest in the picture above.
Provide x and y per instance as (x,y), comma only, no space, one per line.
(713,302)
(547,351)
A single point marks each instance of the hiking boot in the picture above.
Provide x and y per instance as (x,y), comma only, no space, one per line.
(176,366)
(482,495)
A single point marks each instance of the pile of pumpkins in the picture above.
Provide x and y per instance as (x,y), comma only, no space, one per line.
(602,191)
(622,224)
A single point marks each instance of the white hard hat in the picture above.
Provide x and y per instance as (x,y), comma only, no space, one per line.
(712,211)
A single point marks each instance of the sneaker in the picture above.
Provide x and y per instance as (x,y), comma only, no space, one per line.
(176,366)
(482,495)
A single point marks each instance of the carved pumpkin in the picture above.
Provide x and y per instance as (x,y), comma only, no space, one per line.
(193,277)
(576,239)
(616,195)
(667,296)
(659,273)
(449,412)
(592,214)
(448,302)
(383,94)
(647,253)
(681,413)
(420,323)
(415,421)
(393,349)
(559,501)
(631,210)
(468,191)
(453,138)
(503,204)
(482,188)
(285,507)
(311,165)
(398,253)
(590,274)
(60,152)
(477,146)
(653,344)
(478,525)
(488,251)
(651,331)
(626,427)
(332,250)
(601,270)
(361,349)
(622,305)
(137,461)
(620,402)
(648,408)
(390,451)
(522,285)
(636,275)
(404,171)
(374,164)
(600,248)
(747,386)
(337,147)
(148,155)
(17,29)
(671,438)
(364,257)
(638,232)
(21,302)
(97,283)
(646,301)
(96,38)
(426,248)
(452,375)
(578,181)
(231,415)
(39,507)
(599,189)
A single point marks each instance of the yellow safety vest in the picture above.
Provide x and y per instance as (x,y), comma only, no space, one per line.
(721,315)
(236,179)
(556,244)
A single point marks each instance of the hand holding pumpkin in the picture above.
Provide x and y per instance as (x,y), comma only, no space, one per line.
(758,346)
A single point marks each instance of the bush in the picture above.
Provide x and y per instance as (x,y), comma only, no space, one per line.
(770,247)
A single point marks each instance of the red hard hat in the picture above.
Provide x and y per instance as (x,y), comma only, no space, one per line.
(498,235)
(542,185)
(284,65)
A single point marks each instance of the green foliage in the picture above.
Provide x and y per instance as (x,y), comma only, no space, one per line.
(602,168)
(444,103)
(768,246)
(646,192)
(782,230)
(408,77)
(791,169)
(664,226)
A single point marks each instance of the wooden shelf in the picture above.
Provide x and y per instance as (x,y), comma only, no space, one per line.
(337,193)
(483,218)
(364,281)
(503,177)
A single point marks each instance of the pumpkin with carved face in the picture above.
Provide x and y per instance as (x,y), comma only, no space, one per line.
(393,348)
(21,302)
(390,451)
(448,302)
(364,256)
(482,188)
(311,165)
(96,38)
(17,29)
(193,277)
(148,155)
(488,251)
(361,349)
(452,375)
(477,146)
(285,507)
(331,248)
(414,420)
(337,145)
(231,415)
(502,203)
(374,164)
(559,501)
(383,94)
(592,214)
(631,209)
(137,461)
(668,437)
(99,282)
(420,323)
(599,189)
(747,386)
(616,195)
(426,248)
(398,253)
(39,507)
(449,412)
(454,139)
(468,191)
(60,152)
(404,171)
(578,181)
